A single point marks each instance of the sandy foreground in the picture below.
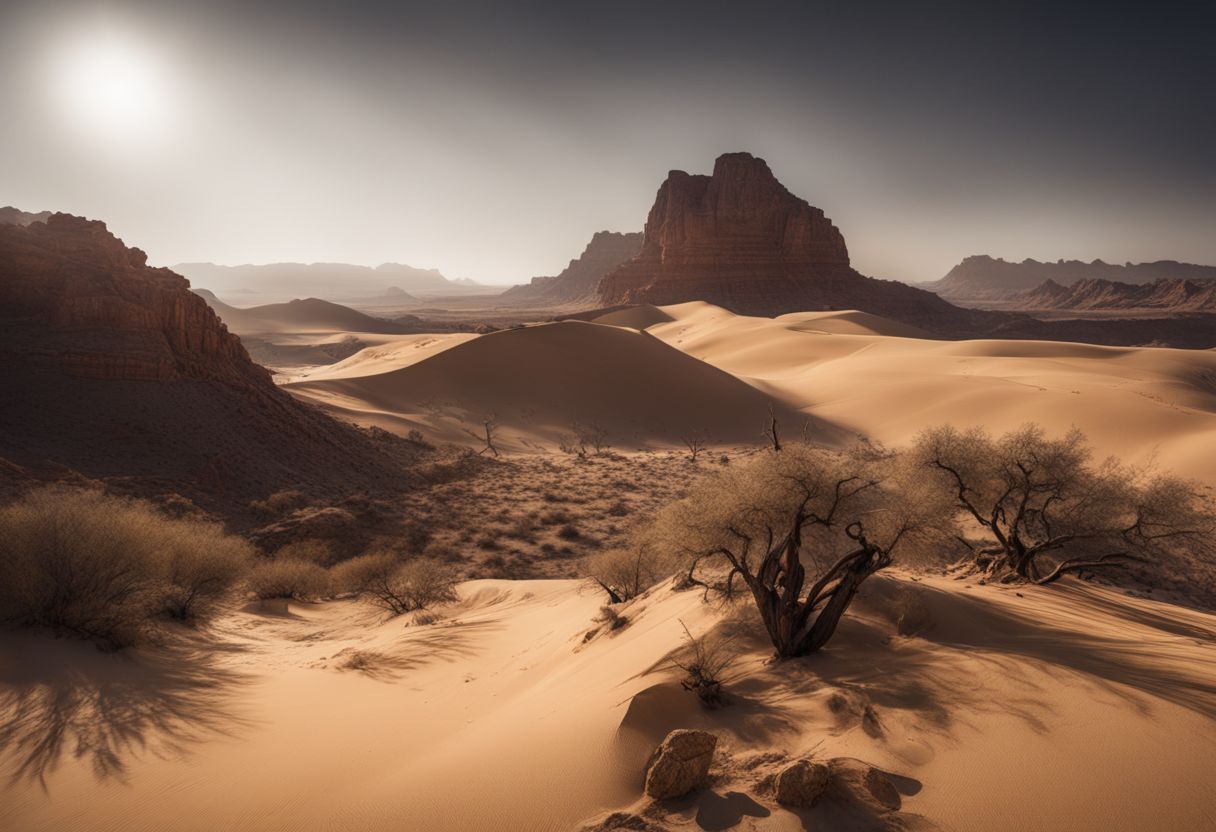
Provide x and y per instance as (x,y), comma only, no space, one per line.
(1069,707)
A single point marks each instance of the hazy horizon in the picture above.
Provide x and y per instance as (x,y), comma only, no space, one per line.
(491,144)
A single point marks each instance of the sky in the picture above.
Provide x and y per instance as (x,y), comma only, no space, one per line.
(492,139)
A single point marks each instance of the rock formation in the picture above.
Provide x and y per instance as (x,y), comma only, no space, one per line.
(576,284)
(117,370)
(740,240)
(981,278)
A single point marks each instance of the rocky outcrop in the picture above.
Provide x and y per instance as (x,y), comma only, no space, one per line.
(576,284)
(1168,296)
(117,370)
(680,764)
(981,278)
(73,295)
(740,240)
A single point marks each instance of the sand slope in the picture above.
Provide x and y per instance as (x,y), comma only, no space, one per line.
(1140,403)
(1068,707)
(539,381)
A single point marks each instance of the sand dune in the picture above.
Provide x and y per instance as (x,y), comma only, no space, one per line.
(839,373)
(307,315)
(1143,404)
(505,716)
(634,317)
(388,355)
(539,381)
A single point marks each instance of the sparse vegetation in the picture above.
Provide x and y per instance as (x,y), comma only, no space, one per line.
(289,579)
(278,503)
(627,572)
(315,551)
(695,443)
(395,586)
(705,660)
(107,568)
(1048,510)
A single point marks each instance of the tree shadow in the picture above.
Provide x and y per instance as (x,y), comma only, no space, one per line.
(451,642)
(1155,664)
(61,699)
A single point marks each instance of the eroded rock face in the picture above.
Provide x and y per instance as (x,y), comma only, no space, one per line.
(72,294)
(740,240)
(118,371)
(680,764)
(802,784)
(577,283)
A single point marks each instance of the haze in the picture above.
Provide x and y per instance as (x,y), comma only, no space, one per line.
(491,142)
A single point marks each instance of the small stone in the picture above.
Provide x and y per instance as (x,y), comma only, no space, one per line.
(680,764)
(882,789)
(802,784)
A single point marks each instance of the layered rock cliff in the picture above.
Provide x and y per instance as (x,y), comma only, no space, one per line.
(739,239)
(115,369)
(576,284)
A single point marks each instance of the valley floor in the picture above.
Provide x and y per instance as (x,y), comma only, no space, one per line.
(1071,707)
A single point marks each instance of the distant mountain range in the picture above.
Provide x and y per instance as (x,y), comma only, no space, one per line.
(1088,294)
(982,278)
(386,284)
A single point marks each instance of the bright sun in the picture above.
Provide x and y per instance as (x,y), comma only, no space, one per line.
(110,89)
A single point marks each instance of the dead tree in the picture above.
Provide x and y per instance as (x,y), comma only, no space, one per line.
(800,531)
(1049,511)
(490,428)
(591,434)
(771,430)
(695,444)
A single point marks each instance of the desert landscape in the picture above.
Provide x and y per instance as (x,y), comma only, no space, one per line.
(651,501)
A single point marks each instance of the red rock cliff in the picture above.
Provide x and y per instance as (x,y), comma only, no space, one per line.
(72,294)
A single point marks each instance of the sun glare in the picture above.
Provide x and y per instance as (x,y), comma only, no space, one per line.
(112,90)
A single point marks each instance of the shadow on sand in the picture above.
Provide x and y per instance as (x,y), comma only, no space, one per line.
(450,641)
(62,699)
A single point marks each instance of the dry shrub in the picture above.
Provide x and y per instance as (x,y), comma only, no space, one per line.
(204,565)
(278,503)
(705,660)
(320,552)
(107,568)
(289,579)
(627,572)
(395,586)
